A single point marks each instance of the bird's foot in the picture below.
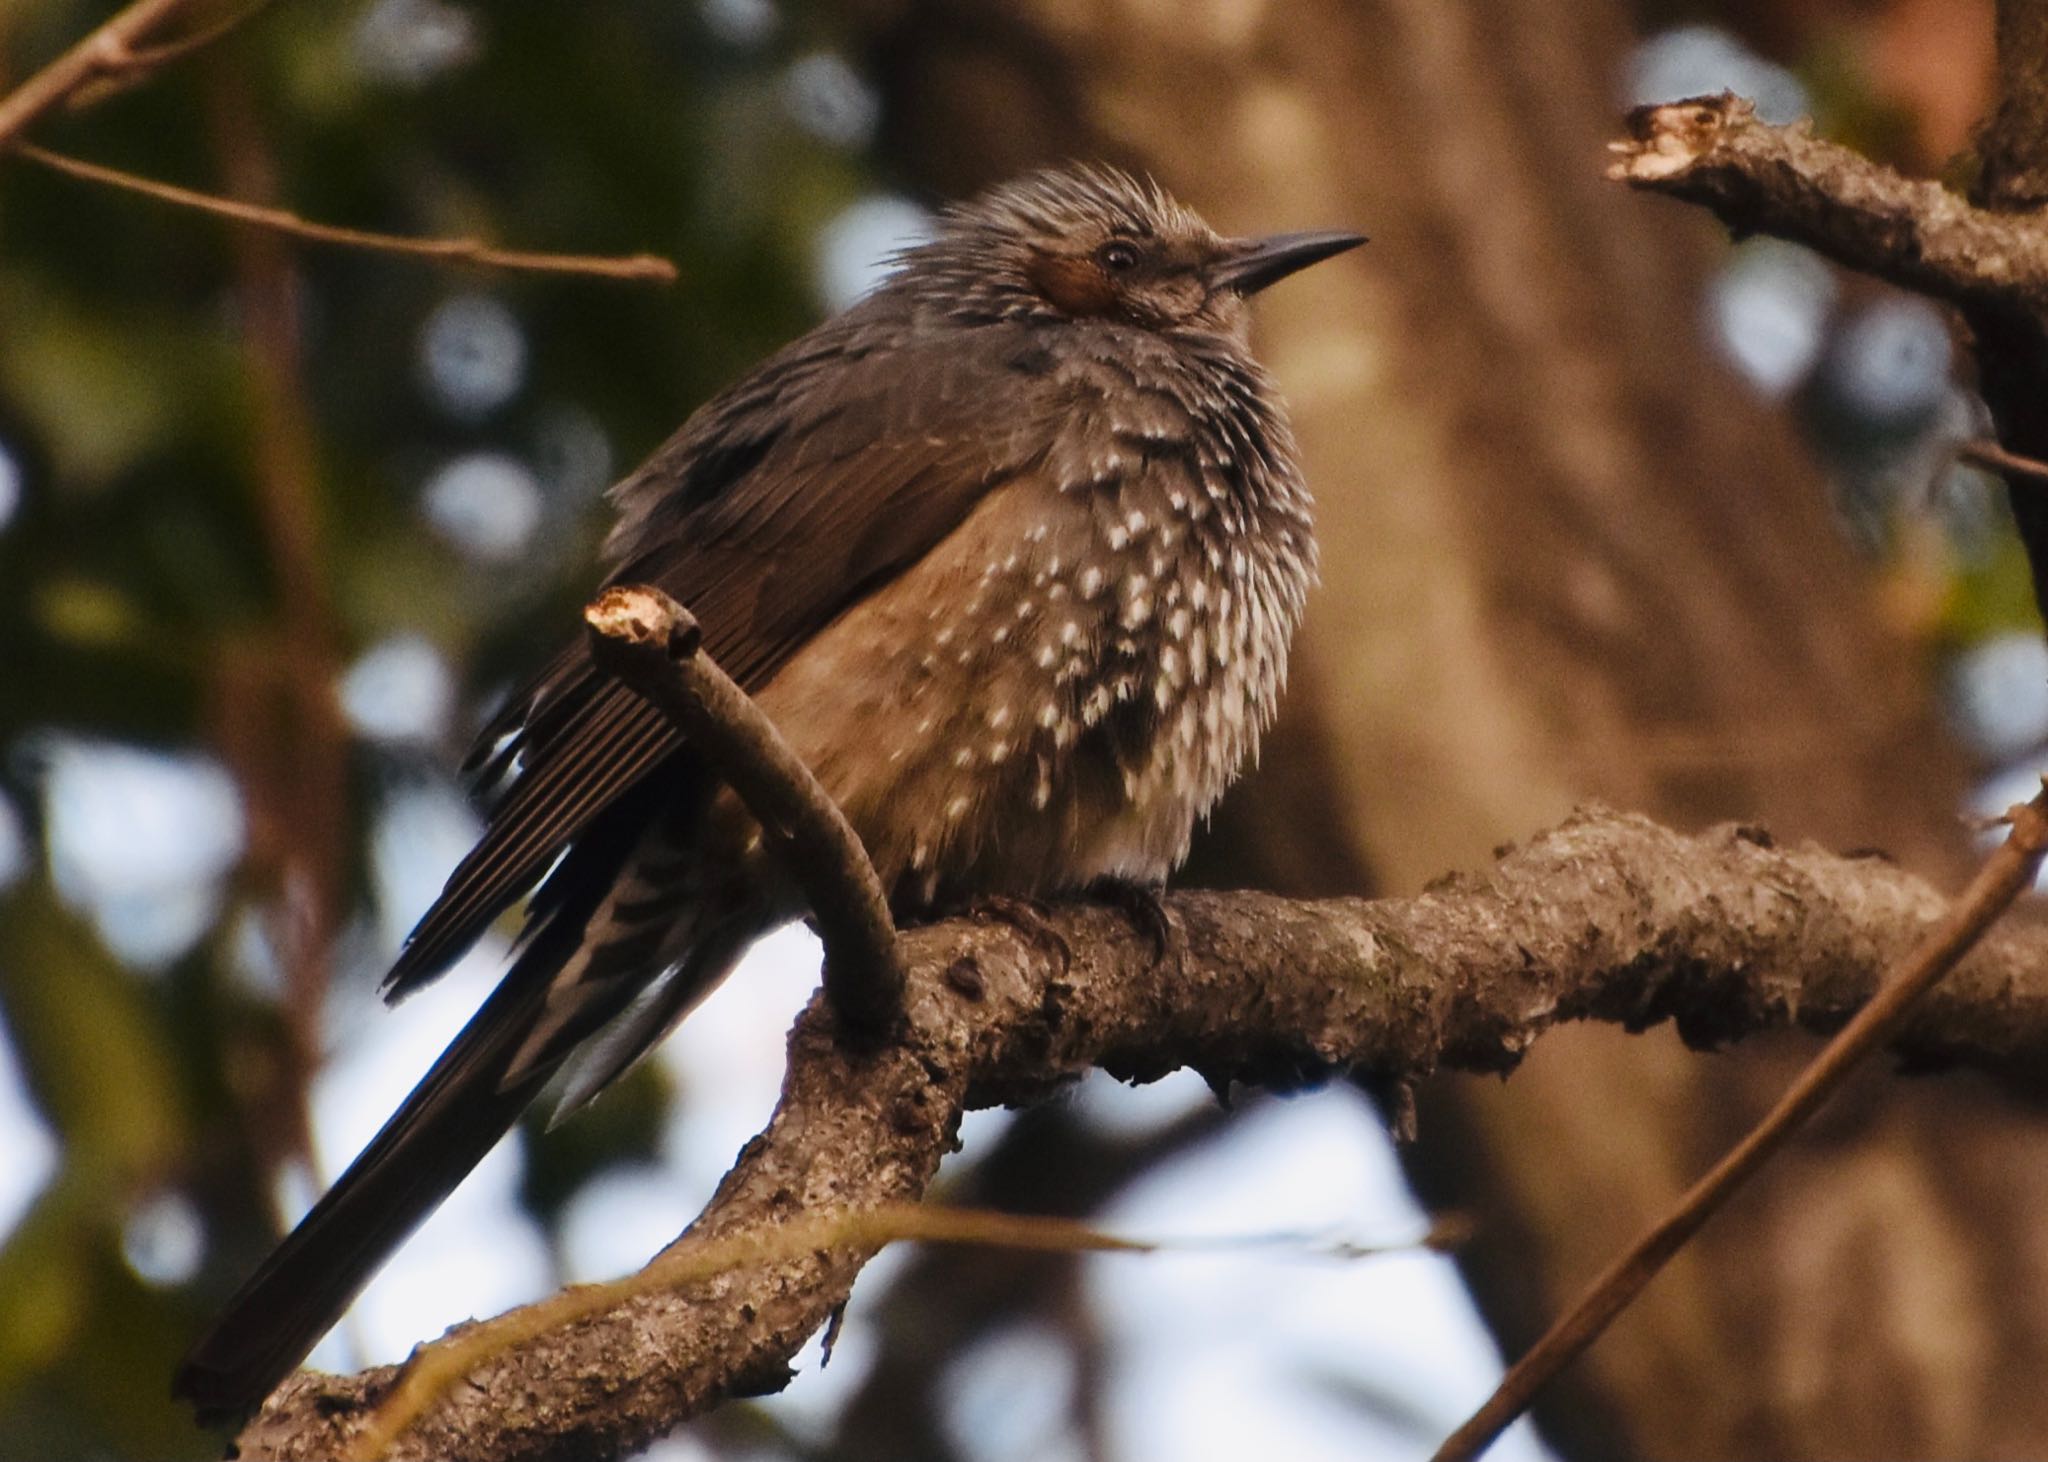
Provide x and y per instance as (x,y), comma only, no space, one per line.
(1030,918)
(1144,904)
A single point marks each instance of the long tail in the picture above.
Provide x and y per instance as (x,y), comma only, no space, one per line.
(470,1099)
(451,1120)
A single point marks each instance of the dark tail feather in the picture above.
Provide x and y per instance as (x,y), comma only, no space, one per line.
(446,1126)
(451,1120)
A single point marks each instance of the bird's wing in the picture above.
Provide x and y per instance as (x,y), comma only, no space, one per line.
(832,468)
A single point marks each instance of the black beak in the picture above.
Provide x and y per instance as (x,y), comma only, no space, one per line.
(1250,265)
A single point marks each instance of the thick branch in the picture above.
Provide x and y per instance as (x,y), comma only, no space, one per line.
(1609,917)
(1786,182)
(654,645)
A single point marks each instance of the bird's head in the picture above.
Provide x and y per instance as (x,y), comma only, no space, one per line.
(1093,243)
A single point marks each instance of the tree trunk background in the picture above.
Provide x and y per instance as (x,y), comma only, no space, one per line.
(1566,555)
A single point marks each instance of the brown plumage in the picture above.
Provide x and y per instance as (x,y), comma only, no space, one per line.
(1011,551)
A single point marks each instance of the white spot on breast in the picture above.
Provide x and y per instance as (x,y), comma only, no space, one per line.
(1091,582)
(957,808)
(999,717)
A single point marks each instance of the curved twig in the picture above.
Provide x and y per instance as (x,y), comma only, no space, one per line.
(635,267)
(654,645)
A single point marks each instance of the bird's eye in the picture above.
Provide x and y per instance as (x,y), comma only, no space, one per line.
(1117,256)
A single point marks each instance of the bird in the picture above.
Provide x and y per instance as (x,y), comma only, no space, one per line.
(1011,551)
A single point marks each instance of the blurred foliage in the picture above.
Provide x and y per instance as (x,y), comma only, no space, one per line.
(140,565)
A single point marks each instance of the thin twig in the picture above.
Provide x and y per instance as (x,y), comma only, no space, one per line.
(139,63)
(150,58)
(653,644)
(1993,457)
(108,49)
(643,267)
(434,1368)
(2003,877)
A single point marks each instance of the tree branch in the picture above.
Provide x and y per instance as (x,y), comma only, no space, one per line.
(1786,182)
(1608,917)
(2010,870)
(636,267)
(106,51)
(654,645)
(1987,255)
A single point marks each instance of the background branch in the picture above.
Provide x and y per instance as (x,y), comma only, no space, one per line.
(636,267)
(106,51)
(1608,917)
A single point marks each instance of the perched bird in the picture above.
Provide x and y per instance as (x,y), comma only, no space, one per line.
(1011,552)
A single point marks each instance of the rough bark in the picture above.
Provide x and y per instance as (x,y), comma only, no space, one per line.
(1566,554)
(1608,917)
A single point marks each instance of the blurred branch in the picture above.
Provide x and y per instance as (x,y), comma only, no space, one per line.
(2004,876)
(636,267)
(1785,182)
(142,62)
(654,645)
(434,1369)
(1995,458)
(1607,917)
(2013,146)
(284,739)
(107,51)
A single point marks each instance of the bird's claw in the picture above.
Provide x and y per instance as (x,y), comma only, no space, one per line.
(1030,918)
(1144,904)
